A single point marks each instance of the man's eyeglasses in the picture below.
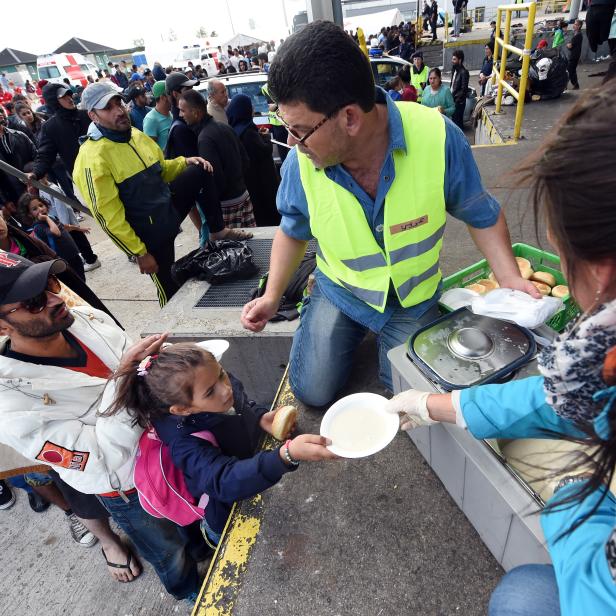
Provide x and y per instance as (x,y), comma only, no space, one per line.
(38,303)
(300,140)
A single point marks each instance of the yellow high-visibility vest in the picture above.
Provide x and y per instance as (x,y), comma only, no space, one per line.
(414,219)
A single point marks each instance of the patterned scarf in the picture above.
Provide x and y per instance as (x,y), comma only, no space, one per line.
(572,365)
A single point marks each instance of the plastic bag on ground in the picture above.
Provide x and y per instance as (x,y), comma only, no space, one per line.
(516,306)
(218,261)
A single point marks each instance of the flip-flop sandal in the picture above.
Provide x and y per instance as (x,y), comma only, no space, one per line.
(238,234)
(126,566)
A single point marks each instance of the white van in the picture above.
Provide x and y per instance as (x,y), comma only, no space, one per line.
(197,55)
(56,66)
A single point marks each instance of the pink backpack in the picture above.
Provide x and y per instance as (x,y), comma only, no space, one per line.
(161,486)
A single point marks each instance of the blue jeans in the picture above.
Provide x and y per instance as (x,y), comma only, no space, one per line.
(159,542)
(325,342)
(529,590)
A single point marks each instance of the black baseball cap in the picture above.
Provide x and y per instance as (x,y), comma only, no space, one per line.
(177,80)
(21,279)
(134,92)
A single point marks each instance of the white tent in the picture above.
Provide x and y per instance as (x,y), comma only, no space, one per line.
(373,22)
(239,40)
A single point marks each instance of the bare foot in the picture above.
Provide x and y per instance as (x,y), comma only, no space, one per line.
(122,564)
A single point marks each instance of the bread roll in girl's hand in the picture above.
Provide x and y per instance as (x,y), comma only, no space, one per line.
(284,422)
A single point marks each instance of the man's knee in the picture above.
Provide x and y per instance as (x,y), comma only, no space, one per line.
(312,394)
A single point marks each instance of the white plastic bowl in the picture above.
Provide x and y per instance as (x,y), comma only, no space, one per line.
(358,425)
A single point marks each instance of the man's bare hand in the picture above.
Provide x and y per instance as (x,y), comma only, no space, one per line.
(150,345)
(197,160)
(520,284)
(257,313)
(147,264)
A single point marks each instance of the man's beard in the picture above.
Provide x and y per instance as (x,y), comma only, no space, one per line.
(43,329)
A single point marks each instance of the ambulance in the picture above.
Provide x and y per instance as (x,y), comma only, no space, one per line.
(57,66)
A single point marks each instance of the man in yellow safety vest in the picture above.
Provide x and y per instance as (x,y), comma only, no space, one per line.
(372,181)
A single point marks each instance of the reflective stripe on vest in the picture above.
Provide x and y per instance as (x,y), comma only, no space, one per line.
(272,117)
(414,220)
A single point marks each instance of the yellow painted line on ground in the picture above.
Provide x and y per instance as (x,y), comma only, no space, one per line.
(224,577)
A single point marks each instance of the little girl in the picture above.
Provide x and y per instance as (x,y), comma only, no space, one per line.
(34,214)
(184,390)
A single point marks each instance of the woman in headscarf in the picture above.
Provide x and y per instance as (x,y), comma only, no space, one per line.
(572,186)
(261,177)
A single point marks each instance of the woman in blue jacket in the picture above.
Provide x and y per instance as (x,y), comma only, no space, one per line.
(573,186)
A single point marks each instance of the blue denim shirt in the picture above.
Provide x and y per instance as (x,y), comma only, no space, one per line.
(465,199)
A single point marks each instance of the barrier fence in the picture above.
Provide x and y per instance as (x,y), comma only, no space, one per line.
(503,46)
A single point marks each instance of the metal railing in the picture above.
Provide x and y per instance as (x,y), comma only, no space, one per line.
(503,45)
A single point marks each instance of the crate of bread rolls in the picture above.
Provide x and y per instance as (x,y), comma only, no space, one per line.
(542,268)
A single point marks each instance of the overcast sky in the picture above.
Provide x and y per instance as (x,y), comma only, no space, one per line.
(42,27)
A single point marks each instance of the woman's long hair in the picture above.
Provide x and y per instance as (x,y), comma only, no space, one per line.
(572,181)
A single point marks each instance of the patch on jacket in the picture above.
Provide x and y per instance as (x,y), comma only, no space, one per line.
(58,456)
(409,224)
(610,554)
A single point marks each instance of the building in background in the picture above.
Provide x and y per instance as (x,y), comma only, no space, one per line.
(18,65)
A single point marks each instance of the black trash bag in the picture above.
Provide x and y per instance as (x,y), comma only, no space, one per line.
(557,78)
(218,261)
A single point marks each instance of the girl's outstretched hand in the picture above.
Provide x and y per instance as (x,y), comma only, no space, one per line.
(309,447)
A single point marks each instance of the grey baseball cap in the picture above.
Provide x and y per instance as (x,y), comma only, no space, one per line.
(97,95)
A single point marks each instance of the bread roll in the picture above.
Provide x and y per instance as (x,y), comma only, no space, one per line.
(488,284)
(526,272)
(478,288)
(543,288)
(522,262)
(561,290)
(544,277)
(283,423)
(492,277)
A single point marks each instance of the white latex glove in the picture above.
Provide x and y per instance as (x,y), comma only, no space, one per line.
(412,405)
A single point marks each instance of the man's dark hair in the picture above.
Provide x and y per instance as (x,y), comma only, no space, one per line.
(323,68)
(194,100)
(458,53)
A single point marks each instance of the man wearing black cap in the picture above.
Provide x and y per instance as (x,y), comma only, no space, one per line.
(54,370)
(181,138)
(60,134)
(139,109)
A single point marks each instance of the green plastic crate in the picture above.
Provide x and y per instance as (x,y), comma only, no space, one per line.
(540,260)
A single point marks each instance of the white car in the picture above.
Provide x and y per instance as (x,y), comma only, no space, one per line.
(385,68)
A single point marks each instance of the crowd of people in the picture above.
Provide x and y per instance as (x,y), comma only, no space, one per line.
(208,163)
(78,398)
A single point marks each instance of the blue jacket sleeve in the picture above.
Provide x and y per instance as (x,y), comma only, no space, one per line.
(512,410)
(584,560)
(222,477)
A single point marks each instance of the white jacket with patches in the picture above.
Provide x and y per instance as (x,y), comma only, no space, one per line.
(43,407)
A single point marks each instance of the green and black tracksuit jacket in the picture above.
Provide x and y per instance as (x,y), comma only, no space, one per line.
(125,183)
